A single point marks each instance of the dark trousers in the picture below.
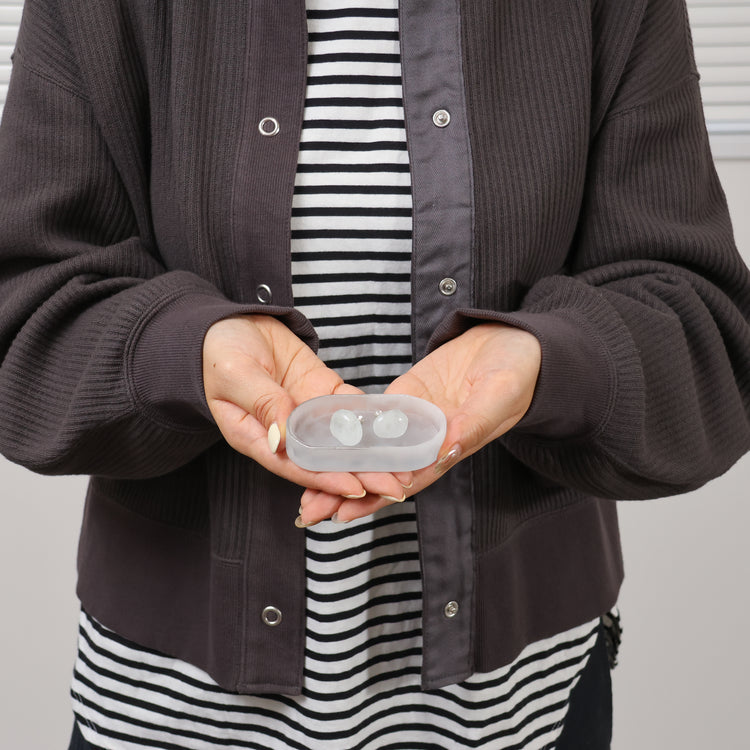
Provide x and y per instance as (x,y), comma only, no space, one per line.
(588,724)
(77,742)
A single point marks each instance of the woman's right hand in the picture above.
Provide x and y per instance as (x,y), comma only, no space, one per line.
(255,371)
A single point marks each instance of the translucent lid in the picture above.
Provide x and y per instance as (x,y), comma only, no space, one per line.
(365,432)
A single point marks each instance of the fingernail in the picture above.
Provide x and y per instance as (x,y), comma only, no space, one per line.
(300,524)
(300,510)
(407,486)
(356,497)
(446,461)
(394,499)
(335,518)
(274,437)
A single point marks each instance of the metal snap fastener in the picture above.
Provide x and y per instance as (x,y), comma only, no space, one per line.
(268,126)
(263,294)
(448,286)
(451,609)
(271,616)
(441,118)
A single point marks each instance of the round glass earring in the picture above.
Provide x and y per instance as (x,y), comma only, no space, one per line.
(346,427)
(390,424)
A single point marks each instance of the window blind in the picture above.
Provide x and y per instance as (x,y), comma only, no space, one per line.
(721,33)
(10,18)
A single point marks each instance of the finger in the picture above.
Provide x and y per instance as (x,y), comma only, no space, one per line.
(349,510)
(246,384)
(312,496)
(494,405)
(466,433)
(270,404)
(319,506)
(347,389)
(405,478)
(248,436)
(383,484)
(308,377)
(316,507)
(484,416)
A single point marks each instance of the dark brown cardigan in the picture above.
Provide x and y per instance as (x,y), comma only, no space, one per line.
(573,194)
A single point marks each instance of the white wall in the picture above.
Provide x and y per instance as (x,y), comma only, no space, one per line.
(682,679)
(38,532)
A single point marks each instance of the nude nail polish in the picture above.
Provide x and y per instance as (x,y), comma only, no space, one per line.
(447,460)
(274,437)
(394,499)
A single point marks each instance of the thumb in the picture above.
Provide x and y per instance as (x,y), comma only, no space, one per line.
(486,414)
(249,407)
(467,432)
(271,407)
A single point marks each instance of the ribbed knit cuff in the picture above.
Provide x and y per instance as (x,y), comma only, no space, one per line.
(574,392)
(165,356)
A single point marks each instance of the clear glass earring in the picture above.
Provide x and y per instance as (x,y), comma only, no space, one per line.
(390,424)
(346,427)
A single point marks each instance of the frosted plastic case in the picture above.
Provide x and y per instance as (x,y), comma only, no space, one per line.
(367,432)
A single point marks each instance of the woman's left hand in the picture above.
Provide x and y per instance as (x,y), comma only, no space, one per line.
(484,382)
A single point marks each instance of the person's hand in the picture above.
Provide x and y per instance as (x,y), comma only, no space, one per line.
(484,382)
(255,371)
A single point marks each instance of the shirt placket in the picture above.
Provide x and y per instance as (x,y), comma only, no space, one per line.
(440,158)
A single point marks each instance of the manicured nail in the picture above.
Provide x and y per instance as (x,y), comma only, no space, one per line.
(394,499)
(335,518)
(407,486)
(356,497)
(300,524)
(447,460)
(274,437)
(300,510)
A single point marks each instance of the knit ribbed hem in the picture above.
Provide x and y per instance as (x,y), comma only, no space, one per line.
(523,597)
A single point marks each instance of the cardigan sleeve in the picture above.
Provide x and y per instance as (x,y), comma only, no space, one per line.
(649,338)
(644,389)
(100,344)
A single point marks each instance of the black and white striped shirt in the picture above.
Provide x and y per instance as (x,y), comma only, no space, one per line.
(351,213)
(351,242)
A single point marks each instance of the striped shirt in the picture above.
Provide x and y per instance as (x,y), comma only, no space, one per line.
(351,211)
(351,242)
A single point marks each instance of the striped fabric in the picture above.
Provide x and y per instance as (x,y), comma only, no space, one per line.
(351,212)
(351,240)
(127,698)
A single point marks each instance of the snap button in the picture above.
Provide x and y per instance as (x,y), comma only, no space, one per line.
(268,126)
(451,609)
(263,294)
(271,616)
(441,118)
(448,286)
